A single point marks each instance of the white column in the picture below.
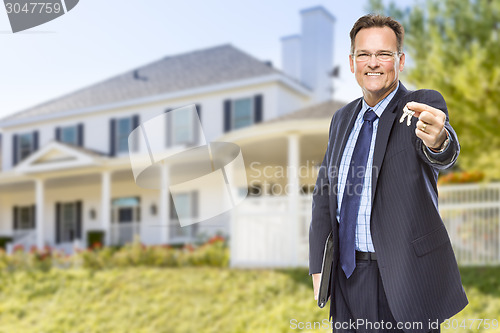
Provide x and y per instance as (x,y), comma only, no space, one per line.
(164,210)
(106,205)
(293,194)
(40,203)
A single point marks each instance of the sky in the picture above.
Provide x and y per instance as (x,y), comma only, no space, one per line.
(100,39)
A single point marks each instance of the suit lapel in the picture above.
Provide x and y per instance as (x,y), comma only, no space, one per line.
(384,130)
(345,128)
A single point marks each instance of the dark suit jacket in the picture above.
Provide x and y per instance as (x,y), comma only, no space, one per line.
(414,254)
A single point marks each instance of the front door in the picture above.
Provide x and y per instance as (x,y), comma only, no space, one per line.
(68,221)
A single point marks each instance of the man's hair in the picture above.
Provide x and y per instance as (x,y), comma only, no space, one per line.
(378,21)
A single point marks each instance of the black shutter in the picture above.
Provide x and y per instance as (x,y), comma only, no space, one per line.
(227,115)
(15,217)
(14,149)
(35,141)
(135,124)
(33,216)
(79,132)
(112,138)
(135,121)
(168,126)
(257,108)
(79,220)
(58,133)
(58,222)
(194,204)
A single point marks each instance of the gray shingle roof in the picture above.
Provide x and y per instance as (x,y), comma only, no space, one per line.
(205,67)
(321,110)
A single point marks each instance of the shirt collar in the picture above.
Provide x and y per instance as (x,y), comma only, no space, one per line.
(380,106)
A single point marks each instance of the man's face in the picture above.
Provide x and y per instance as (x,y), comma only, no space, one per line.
(376,78)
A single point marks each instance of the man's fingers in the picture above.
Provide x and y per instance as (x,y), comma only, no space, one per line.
(419,108)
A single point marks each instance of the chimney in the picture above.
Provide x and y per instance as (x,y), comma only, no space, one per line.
(317,51)
(290,56)
(309,57)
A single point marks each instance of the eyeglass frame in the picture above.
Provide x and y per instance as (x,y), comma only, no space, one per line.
(393,53)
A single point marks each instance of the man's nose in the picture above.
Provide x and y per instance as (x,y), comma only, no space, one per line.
(373,61)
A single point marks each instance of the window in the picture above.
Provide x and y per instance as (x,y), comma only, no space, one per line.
(242,113)
(126,210)
(119,132)
(26,218)
(69,135)
(23,145)
(182,129)
(123,129)
(68,225)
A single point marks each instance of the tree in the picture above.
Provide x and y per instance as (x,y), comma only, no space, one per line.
(454,47)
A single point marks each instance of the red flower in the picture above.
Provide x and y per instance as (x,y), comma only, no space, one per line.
(18,247)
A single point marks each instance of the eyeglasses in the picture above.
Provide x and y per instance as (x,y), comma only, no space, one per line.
(381,56)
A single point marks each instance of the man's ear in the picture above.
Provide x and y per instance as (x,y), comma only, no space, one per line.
(401,62)
(351,63)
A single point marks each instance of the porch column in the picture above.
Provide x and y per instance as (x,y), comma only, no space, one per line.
(164,211)
(105,205)
(40,203)
(293,193)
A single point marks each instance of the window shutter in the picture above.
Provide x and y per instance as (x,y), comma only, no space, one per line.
(135,124)
(58,222)
(14,149)
(112,138)
(58,133)
(135,121)
(227,115)
(168,126)
(35,141)
(79,220)
(33,216)
(79,132)
(15,217)
(257,108)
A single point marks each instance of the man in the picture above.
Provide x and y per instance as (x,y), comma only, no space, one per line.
(394,267)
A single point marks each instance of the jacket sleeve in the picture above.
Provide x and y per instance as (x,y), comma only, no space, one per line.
(447,158)
(320,226)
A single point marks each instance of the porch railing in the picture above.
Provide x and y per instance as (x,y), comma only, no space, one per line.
(264,232)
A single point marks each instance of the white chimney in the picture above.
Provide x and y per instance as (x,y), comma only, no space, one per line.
(290,56)
(317,51)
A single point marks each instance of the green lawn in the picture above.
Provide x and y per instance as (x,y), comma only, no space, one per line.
(177,300)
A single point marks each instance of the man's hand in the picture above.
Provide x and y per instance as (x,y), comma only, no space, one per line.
(430,125)
(316,279)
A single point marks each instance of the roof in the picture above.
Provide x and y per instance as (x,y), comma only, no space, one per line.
(199,68)
(321,110)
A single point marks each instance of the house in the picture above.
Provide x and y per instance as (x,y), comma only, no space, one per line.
(66,170)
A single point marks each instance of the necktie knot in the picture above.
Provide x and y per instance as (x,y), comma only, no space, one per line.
(370,116)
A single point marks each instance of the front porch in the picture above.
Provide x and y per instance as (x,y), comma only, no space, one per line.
(46,202)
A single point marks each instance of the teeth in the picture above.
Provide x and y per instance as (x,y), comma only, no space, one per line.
(373,74)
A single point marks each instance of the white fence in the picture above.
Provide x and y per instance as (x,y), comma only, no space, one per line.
(264,233)
(471,214)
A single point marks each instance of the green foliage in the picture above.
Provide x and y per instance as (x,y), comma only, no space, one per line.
(214,252)
(454,47)
(186,300)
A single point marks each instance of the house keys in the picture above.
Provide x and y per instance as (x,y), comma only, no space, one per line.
(407,113)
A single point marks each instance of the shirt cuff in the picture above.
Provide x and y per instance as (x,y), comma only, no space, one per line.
(433,156)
